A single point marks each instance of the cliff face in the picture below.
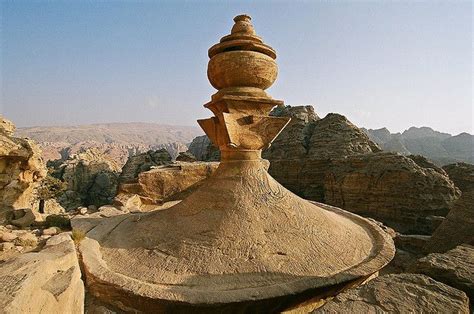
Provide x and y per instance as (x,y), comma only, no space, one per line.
(21,169)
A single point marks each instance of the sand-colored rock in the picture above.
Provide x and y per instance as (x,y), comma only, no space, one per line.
(21,169)
(402,293)
(48,281)
(164,183)
(454,268)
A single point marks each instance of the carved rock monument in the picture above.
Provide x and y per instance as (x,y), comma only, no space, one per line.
(241,240)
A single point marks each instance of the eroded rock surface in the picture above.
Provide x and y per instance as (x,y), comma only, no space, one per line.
(91,178)
(454,268)
(21,169)
(48,281)
(402,293)
(391,188)
(462,174)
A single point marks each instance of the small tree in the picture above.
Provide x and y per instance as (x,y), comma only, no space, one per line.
(50,187)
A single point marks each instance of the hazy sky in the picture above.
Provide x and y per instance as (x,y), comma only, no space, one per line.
(393,64)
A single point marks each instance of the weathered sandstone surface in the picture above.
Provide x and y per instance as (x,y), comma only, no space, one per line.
(462,174)
(401,293)
(391,188)
(21,169)
(454,268)
(48,281)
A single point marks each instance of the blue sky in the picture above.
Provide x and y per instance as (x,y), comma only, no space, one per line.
(394,64)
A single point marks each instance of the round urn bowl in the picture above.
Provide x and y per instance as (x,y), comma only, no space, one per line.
(242,69)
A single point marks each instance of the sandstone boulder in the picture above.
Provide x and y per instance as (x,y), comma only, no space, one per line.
(402,293)
(48,281)
(454,268)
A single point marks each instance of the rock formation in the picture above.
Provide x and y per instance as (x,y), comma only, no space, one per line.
(462,174)
(143,162)
(403,293)
(163,183)
(457,228)
(48,281)
(21,168)
(202,148)
(391,188)
(454,267)
(240,239)
(91,179)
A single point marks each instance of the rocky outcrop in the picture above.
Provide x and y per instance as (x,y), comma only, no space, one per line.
(91,179)
(457,228)
(186,156)
(21,169)
(48,281)
(391,188)
(454,268)
(164,183)
(402,293)
(202,148)
(143,162)
(462,174)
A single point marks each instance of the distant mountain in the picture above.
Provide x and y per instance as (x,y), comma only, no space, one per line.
(441,148)
(117,139)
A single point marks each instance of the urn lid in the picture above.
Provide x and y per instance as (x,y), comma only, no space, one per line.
(242,37)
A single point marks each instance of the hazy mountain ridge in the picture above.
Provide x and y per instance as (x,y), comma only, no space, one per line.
(441,148)
(117,139)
